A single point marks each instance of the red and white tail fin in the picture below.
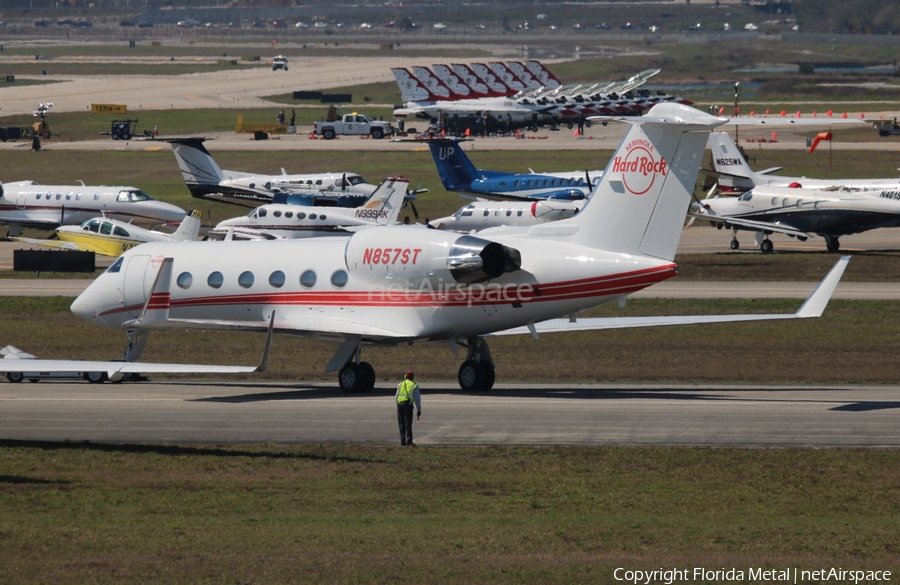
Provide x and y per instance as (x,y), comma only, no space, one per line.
(542,74)
(487,76)
(433,84)
(639,206)
(452,81)
(523,75)
(506,76)
(411,89)
(478,87)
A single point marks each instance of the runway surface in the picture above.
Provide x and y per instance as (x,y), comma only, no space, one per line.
(511,414)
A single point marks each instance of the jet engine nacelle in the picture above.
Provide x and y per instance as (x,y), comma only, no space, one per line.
(410,257)
(551,210)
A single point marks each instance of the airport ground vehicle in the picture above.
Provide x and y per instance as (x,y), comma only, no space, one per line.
(279,62)
(353,124)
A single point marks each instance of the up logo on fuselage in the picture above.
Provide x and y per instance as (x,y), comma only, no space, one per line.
(640,166)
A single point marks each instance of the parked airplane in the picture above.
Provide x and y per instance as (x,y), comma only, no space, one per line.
(28,204)
(800,213)
(734,174)
(481,215)
(206,180)
(289,221)
(110,237)
(459,174)
(399,284)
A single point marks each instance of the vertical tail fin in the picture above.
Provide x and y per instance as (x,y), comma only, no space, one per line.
(411,88)
(728,160)
(449,78)
(197,166)
(386,202)
(639,206)
(455,169)
(485,74)
(542,74)
(189,230)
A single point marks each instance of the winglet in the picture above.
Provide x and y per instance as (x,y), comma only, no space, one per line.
(818,300)
(264,362)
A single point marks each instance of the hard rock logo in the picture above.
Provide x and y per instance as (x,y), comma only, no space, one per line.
(639,167)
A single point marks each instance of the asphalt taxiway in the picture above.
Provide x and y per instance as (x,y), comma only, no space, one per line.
(511,414)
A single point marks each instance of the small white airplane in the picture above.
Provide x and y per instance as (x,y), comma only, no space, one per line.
(206,180)
(802,213)
(291,221)
(110,237)
(28,204)
(481,215)
(399,284)
(734,174)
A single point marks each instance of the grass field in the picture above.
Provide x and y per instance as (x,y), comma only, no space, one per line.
(82,513)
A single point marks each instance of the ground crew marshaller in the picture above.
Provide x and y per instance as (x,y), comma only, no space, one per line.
(407,395)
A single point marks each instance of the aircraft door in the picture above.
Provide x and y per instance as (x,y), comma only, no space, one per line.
(20,200)
(135,287)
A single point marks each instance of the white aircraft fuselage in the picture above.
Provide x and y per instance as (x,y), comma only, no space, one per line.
(26,203)
(482,215)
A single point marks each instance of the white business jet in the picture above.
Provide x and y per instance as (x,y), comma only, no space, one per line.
(401,284)
(206,180)
(28,204)
(291,221)
(734,174)
(481,215)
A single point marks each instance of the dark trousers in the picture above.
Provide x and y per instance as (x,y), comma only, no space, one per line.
(405,419)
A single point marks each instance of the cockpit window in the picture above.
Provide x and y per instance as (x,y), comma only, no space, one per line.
(106,228)
(134,195)
(117,265)
(93,225)
(355,180)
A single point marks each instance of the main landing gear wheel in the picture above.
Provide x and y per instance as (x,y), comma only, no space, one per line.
(832,244)
(735,244)
(357,378)
(95,377)
(766,247)
(472,376)
(15,377)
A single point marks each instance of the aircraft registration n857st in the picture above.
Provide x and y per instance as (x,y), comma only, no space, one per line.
(402,284)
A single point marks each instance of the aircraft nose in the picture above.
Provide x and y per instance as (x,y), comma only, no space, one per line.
(82,308)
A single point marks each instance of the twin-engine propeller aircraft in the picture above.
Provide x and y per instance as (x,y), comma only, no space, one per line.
(459,174)
(110,237)
(290,221)
(28,204)
(206,180)
(401,284)
(802,213)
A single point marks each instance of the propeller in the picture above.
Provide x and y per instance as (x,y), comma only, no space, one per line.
(700,203)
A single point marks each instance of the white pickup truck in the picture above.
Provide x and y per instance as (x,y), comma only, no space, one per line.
(353,124)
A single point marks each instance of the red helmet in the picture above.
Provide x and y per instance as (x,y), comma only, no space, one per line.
(410,375)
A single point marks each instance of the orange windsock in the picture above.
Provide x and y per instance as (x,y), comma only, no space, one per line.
(819,137)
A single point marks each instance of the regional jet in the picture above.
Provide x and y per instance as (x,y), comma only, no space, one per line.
(29,204)
(401,285)
(206,180)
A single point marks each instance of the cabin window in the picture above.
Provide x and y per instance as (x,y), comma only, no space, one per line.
(262,212)
(215,280)
(68,196)
(339,278)
(515,184)
(312,216)
(58,196)
(318,181)
(289,214)
(322,217)
(96,196)
(184,280)
(246,279)
(117,265)
(486,212)
(301,215)
(117,231)
(774,201)
(519,213)
(78,197)
(38,196)
(308,278)
(276,213)
(106,228)
(276,279)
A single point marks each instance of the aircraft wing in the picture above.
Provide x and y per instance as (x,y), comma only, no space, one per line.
(761,226)
(814,306)
(310,327)
(49,243)
(113,368)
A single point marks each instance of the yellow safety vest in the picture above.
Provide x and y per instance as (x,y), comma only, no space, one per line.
(405,391)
